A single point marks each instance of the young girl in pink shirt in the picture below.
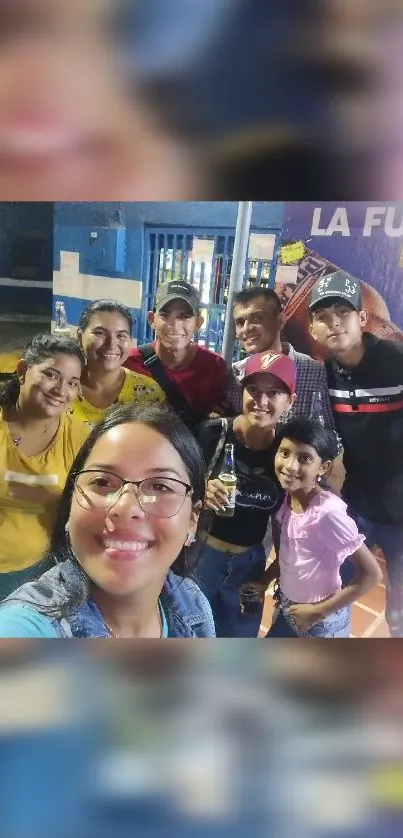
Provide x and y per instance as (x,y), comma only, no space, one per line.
(313,535)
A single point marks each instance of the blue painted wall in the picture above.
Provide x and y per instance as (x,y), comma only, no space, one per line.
(119,247)
(194,213)
(74,223)
(118,250)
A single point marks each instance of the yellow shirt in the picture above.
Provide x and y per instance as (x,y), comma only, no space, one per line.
(136,388)
(30,488)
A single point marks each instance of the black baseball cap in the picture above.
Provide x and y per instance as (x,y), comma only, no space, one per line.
(177,290)
(338,284)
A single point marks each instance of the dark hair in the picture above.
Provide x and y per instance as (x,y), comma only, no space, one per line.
(249,294)
(310,432)
(39,349)
(168,424)
(104,305)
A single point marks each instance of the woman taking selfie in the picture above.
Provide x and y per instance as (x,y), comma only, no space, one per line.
(38,443)
(127,516)
(105,334)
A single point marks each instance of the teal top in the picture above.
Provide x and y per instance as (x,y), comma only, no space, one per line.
(24,621)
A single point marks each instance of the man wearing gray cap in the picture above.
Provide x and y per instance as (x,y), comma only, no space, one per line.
(194,378)
(365,380)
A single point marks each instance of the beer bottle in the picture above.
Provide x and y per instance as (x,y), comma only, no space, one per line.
(317,414)
(317,408)
(229,480)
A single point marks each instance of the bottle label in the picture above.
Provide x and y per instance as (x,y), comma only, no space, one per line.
(231,497)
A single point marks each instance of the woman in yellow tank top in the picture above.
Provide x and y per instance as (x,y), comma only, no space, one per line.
(38,444)
(104,332)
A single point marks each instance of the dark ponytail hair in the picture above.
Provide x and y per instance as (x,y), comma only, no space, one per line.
(38,349)
(10,392)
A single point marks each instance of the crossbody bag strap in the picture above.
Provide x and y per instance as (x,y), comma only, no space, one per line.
(171,390)
(219,447)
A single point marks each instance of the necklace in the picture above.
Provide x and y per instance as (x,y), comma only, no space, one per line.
(115,636)
(18,439)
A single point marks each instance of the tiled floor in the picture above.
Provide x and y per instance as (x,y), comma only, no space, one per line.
(368,617)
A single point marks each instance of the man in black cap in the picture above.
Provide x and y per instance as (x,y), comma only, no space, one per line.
(194,378)
(365,380)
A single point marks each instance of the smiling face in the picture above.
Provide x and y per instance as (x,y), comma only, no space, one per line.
(51,386)
(175,325)
(265,399)
(106,341)
(298,466)
(124,550)
(337,326)
(257,324)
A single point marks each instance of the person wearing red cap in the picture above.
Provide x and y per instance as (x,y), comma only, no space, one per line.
(259,321)
(232,553)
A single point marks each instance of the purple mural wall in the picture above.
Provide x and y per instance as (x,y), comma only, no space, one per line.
(364,239)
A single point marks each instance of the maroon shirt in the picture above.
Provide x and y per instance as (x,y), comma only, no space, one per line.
(203,383)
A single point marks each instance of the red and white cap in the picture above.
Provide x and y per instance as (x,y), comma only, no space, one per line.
(273,363)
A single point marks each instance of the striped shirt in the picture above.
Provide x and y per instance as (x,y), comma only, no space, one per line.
(367,401)
(312,393)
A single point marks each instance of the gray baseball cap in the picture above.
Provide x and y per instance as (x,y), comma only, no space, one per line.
(338,284)
(177,290)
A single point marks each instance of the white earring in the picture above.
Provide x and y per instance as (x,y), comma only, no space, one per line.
(190,539)
(67,527)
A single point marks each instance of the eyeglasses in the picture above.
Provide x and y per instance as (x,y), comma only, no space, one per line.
(159,496)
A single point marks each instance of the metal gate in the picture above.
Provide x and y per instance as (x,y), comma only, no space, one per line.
(170,254)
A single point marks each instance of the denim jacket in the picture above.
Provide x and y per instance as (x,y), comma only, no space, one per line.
(187,609)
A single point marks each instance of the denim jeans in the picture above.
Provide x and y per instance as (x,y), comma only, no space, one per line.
(389,537)
(220,575)
(335,625)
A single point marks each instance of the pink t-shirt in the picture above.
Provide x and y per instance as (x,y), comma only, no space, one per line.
(313,545)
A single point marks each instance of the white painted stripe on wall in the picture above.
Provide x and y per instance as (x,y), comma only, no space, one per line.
(69,282)
(24,283)
(18,318)
(126,291)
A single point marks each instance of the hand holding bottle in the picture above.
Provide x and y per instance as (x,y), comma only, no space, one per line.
(216,496)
